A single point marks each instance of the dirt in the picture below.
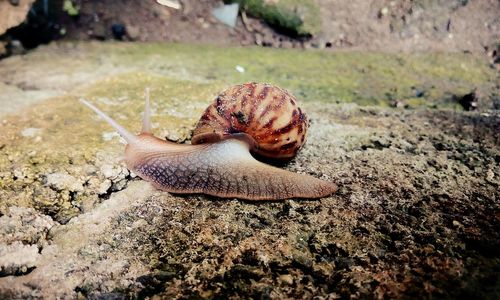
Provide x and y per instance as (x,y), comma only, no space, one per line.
(149,21)
(375,25)
(367,25)
(412,26)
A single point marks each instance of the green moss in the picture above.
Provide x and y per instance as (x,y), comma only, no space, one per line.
(364,78)
(70,8)
(295,17)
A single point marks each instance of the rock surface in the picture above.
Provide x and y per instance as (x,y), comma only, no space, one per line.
(23,235)
(13,14)
(416,214)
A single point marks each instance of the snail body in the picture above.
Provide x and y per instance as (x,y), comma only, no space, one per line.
(219,162)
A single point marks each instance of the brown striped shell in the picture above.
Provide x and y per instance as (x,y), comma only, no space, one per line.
(267,113)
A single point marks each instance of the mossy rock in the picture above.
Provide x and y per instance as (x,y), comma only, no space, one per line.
(293,17)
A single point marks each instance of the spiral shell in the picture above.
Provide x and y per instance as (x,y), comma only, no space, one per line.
(267,113)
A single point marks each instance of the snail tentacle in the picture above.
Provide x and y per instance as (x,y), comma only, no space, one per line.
(129,137)
(146,119)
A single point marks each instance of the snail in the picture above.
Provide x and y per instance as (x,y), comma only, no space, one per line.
(250,118)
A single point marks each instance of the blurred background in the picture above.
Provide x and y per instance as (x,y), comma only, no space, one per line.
(380,25)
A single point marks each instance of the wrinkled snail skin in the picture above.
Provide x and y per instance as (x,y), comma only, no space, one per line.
(220,163)
(224,169)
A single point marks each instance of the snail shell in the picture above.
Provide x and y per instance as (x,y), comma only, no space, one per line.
(267,113)
(251,117)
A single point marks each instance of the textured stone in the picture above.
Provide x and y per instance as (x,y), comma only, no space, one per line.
(414,216)
(17,258)
(13,15)
(61,181)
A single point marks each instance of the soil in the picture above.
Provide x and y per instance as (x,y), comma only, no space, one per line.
(455,25)
(375,25)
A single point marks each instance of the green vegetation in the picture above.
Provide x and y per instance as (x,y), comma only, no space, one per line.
(70,8)
(296,17)
(364,78)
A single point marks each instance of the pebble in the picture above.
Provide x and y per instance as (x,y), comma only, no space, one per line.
(170,3)
(490,175)
(16,47)
(24,224)
(384,11)
(133,32)
(30,132)
(108,136)
(19,173)
(114,173)
(104,187)
(240,69)
(62,181)
(99,186)
(119,185)
(17,258)
(286,278)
